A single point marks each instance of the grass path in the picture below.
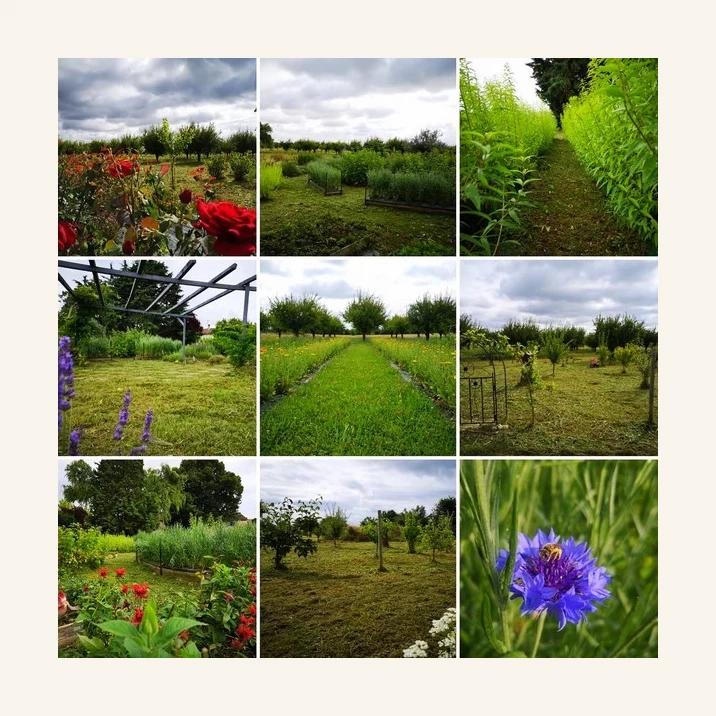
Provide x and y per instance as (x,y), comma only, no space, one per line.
(572,218)
(357,405)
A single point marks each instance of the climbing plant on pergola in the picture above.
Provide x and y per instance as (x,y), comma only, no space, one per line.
(180,310)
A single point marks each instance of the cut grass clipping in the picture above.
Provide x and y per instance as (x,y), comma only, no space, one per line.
(336,604)
(199,409)
(358,404)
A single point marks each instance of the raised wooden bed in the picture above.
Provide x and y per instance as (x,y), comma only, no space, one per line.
(326,192)
(426,208)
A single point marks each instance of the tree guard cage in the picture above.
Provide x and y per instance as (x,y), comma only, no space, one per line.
(181,315)
(483,397)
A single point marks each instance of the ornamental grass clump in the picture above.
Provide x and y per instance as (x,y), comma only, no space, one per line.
(270,179)
(324,175)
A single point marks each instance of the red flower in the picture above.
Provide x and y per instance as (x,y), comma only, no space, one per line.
(128,247)
(122,168)
(163,170)
(103,572)
(85,588)
(252,610)
(236,644)
(120,572)
(184,636)
(66,235)
(140,590)
(233,226)
(124,588)
(246,621)
(185,196)
(245,632)
(138,616)
(228,597)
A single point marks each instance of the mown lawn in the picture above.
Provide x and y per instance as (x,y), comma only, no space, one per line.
(300,221)
(199,409)
(336,604)
(579,411)
(242,193)
(357,405)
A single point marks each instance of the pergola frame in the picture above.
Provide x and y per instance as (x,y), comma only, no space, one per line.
(179,279)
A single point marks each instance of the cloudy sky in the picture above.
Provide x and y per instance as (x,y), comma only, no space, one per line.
(345,99)
(243,466)
(230,306)
(105,98)
(397,281)
(359,487)
(525,86)
(558,291)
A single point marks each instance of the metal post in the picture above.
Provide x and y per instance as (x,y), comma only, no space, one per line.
(652,386)
(183,340)
(161,571)
(381,568)
(246,305)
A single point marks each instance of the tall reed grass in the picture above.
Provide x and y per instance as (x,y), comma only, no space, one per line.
(270,179)
(325,175)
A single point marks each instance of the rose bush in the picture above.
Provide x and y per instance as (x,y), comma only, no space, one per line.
(234,227)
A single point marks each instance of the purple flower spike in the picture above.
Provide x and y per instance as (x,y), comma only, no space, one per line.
(146,435)
(123,417)
(559,576)
(65,379)
(75,436)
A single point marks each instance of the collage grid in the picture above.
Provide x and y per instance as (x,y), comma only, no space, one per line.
(496,416)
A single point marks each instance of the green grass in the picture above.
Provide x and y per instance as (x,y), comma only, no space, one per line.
(300,221)
(579,411)
(336,603)
(199,545)
(161,587)
(357,405)
(199,409)
(612,505)
(116,543)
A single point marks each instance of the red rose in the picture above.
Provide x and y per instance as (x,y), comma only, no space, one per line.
(128,247)
(233,226)
(66,235)
(185,196)
(122,168)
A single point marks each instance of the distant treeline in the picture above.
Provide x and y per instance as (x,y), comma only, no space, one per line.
(427,140)
(611,331)
(205,140)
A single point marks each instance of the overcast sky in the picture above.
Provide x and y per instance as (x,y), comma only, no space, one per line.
(243,466)
(359,487)
(105,98)
(525,86)
(346,99)
(397,281)
(230,306)
(558,291)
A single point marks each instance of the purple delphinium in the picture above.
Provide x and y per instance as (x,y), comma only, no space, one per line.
(146,435)
(123,416)
(563,579)
(75,436)
(65,379)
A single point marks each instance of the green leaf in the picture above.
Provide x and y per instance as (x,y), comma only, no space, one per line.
(190,651)
(175,626)
(119,628)
(487,625)
(134,650)
(515,655)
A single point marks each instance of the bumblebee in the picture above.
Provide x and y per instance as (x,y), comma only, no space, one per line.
(550,552)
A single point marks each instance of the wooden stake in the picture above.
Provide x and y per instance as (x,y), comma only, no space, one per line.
(381,568)
(652,386)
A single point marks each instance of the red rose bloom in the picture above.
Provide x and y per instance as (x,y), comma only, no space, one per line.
(185,196)
(138,616)
(233,226)
(103,572)
(140,590)
(121,168)
(66,235)
(128,247)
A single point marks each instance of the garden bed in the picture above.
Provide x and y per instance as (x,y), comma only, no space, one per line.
(326,191)
(410,206)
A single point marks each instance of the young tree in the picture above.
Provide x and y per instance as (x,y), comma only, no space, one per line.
(411,531)
(293,314)
(366,312)
(446,507)
(265,138)
(437,535)
(153,142)
(626,355)
(285,527)
(433,315)
(553,348)
(205,141)
(334,524)
(426,140)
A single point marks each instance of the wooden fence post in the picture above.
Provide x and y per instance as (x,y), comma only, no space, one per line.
(381,568)
(652,385)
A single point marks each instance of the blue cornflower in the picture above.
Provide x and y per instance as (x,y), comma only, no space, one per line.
(556,575)
(123,416)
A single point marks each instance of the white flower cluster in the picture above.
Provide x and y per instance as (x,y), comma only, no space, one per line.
(443,627)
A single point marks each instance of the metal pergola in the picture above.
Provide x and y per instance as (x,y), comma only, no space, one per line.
(181,315)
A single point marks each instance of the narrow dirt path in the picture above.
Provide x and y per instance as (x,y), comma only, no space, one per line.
(358,404)
(571,217)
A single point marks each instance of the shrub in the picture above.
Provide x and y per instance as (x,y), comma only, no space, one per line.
(429,188)
(285,528)
(325,175)
(270,179)
(355,166)
(217,359)
(290,169)
(236,340)
(240,165)
(411,531)
(603,354)
(78,547)
(116,543)
(304,158)
(217,166)
(626,355)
